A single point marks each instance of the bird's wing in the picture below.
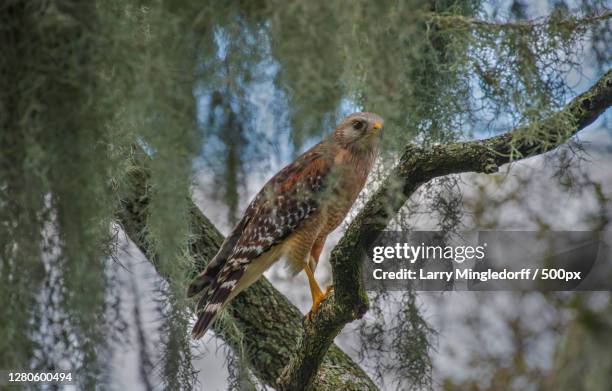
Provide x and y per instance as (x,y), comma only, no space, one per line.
(289,198)
(204,279)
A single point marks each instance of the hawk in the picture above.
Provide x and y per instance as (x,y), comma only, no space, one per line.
(291,217)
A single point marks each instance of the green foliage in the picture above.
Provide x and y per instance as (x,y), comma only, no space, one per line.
(53,196)
(84,83)
(81,83)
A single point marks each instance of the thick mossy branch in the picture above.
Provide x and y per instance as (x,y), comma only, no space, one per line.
(265,325)
(416,167)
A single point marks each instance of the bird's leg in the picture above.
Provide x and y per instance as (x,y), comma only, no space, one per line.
(315,291)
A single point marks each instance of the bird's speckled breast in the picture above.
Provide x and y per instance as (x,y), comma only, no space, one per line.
(348,182)
(345,183)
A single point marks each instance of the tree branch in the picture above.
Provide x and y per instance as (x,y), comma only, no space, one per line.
(416,167)
(465,23)
(267,325)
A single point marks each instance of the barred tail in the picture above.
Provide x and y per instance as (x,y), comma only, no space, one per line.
(205,320)
(214,303)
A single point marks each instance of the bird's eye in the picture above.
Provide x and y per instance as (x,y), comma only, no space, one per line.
(357,125)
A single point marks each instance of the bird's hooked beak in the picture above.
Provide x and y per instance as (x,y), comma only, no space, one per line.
(375,132)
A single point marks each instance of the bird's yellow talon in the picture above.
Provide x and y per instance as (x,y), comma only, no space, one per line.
(316,301)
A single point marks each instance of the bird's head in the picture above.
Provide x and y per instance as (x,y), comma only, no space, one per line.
(359,131)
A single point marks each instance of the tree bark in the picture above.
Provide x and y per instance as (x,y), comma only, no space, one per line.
(416,167)
(268,326)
